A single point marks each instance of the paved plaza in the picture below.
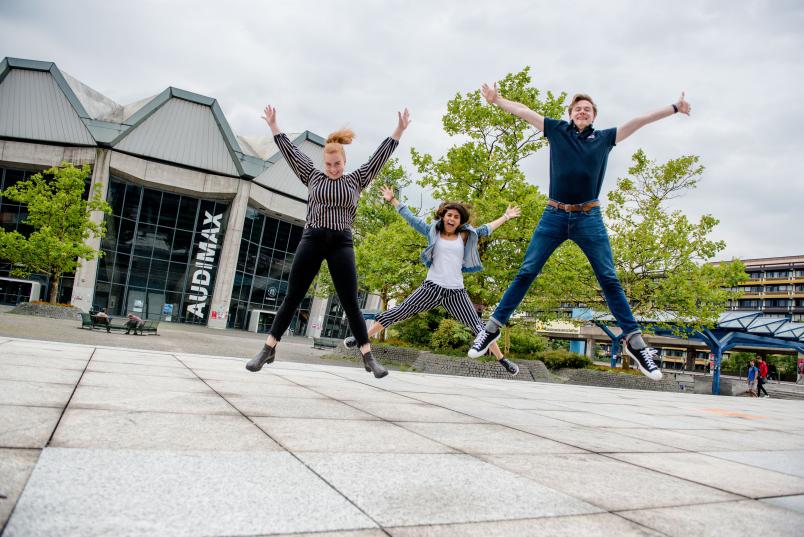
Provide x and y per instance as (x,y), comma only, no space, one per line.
(98,440)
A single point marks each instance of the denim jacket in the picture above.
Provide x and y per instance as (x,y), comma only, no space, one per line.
(471,257)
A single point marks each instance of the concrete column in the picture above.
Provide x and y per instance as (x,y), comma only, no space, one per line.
(224,280)
(590,348)
(317,311)
(87,271)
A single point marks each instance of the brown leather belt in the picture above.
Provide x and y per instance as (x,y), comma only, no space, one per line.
(585,207)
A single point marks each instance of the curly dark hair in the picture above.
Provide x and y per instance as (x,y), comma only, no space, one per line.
(463,211)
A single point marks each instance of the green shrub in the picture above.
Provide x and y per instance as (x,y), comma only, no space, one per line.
(525,341)
(560,359)
(451,334)
(419,329)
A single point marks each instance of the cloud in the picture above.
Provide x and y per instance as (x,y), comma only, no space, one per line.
(330,64)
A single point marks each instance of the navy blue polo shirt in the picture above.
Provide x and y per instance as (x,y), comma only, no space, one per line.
(577,160)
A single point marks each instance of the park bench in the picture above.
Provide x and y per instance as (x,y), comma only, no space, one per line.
(325,342)
(117,323)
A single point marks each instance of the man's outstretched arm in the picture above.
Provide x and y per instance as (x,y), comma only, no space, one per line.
(521,111)
(630,127)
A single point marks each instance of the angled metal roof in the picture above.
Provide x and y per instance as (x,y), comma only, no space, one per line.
(36,103)
(280,178)
(176,129)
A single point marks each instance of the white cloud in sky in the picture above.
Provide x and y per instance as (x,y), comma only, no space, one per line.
(330,64)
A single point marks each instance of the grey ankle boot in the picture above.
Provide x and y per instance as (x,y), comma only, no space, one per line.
(371,364)
(265,356)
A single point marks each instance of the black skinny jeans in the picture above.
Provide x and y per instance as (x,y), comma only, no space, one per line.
(316,245)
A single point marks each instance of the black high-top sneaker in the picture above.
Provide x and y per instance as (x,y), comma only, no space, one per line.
(265,356)
(482,341)
(509,366)
(644,359)
(372,365)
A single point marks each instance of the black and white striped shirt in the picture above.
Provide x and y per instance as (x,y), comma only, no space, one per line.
(332,204)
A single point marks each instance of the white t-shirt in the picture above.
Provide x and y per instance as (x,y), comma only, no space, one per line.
(447,261)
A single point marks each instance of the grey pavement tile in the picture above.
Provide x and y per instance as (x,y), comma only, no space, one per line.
(517,418)
(734,477)
(108,429)
(680,439)
(744,518)
(92,492)
(755,440)
(15,467)
(142,357)
(597,440)
(412,411)
(297,407)
(46,349)
(20,392)
(108,398)
(785,462)
(265,389)
(355,533)
(520,403)
(488,438)
(609,484)
(241,375)
(587,418)
(138,369)
(144,382)
(54,362)
(356,392)
(27,426)
(39,374)
(405,489)
(791,503)
(346,436)
(214,364)
(596,525)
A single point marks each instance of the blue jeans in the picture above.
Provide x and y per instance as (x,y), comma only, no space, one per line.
(586,229)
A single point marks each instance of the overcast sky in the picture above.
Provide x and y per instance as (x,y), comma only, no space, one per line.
(329,64)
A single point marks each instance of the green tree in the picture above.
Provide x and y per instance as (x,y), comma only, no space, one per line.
(484,170)
(662,258)
(60,217)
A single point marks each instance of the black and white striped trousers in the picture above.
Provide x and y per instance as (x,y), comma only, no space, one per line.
(430,295)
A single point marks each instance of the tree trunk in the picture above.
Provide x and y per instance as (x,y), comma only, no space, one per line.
(54,287)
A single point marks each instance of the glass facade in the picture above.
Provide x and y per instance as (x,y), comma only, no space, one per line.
(335,323)
(262,271)
(12,215)
(161,253)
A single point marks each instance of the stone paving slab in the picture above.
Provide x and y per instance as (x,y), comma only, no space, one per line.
(151,442)
(750,518)
(733,477)
(142,400)
(27,426)
(346,436)
(607,483)
(596,525)
(436,489)
(93,492)
(153,430)
(30,393)
(15,467)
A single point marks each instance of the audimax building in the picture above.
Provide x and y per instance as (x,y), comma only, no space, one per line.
(204,222)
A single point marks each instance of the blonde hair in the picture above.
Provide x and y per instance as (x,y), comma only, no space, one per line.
(581,97)
(337,140)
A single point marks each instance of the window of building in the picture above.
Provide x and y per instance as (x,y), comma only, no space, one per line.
(157,263)
(777,274)
(755,275)
(748,304)
(262,271)
(777,288)
(777,302)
